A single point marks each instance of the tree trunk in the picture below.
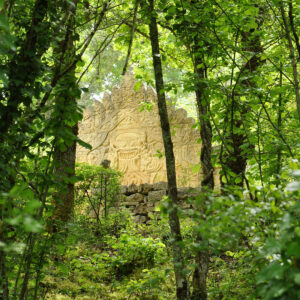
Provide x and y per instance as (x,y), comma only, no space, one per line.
(200,275)
(236,161)
(207,183)
(279,125)
(181,281)
(292,56)
(205,130)
(137,3)
(30,53)
(65,160)
(64,200)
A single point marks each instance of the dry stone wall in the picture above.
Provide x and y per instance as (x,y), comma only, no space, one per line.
(143,199)
(117,130)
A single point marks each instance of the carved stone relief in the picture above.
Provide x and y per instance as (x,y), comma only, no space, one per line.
(130,138)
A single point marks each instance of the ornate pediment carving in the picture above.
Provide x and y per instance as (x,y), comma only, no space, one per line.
(131,139)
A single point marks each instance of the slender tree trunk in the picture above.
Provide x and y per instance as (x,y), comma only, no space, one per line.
(181,281)
(202,257)
(279,124)
(293,29)
(200,275)
(137,3)
(205,130)
(292,56)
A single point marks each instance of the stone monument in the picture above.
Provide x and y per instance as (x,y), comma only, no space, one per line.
(131,139)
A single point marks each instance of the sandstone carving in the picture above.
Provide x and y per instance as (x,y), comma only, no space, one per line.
(119,132)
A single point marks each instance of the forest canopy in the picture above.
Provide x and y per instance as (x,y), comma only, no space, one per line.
(234,66)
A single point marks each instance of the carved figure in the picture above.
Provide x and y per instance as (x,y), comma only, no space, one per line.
(132,140)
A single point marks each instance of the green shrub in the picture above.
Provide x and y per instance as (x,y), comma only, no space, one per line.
(131,252)
(97,190)
(280,278)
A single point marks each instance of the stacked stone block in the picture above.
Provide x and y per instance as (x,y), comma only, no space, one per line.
(142,199)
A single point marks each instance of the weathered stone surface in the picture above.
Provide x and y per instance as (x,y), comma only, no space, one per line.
(130,138)
(132,189)
(127,204)
(142,209)
(124,189)
(195,192)
(140,219)
(143,204)
(183,193)
(156,195)
(160,186)
(137,218)
(136,198)
(145,188)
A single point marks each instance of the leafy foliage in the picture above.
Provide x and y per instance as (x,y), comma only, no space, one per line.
(279,279)
(99,187)
(55,55)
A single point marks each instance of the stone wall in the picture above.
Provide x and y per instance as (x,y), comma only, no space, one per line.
(142,199)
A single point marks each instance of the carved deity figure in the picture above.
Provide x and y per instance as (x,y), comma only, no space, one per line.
(131,139)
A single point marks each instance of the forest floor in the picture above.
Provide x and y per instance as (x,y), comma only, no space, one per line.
(119,259)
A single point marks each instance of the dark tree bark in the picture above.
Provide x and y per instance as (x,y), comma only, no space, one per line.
(236,160)
(293,28)
(19,78)
(205,128)
(207,183)
(292,52)
(64,200)
(65,160)
(181,281)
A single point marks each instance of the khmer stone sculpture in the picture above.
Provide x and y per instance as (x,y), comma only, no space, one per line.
(131,139)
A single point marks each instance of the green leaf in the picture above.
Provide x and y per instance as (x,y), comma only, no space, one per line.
(69,170)
(158,154)
(4,23)
(294,249)
(63,268)
(238,180)
(138,86)
(62,147)
(73,179)
(274,270)
(84,144)
(32,205)
(32,225)
(196,168)
(272,246)
(3,78)
(61,248)
(172,10)
(297,278)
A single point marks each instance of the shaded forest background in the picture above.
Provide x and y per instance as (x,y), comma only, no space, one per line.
(234,66)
